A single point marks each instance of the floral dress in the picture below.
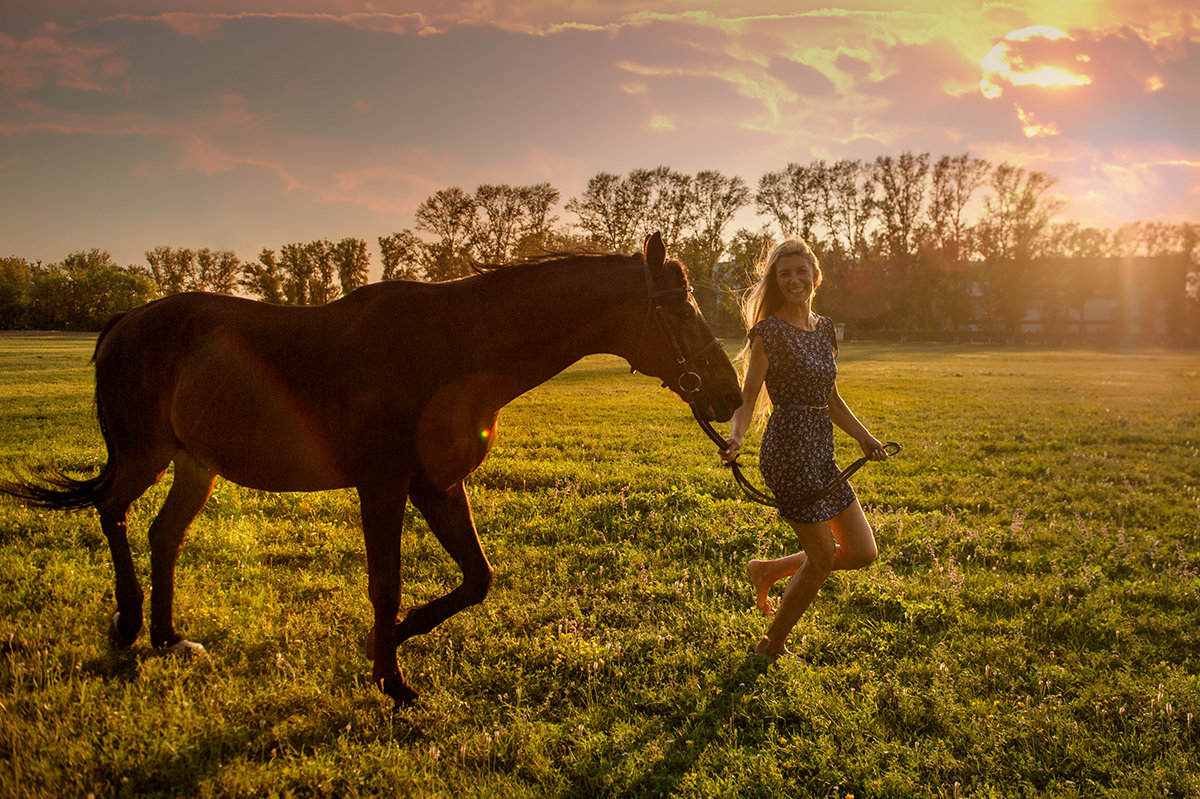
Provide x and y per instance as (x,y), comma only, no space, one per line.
(796,457)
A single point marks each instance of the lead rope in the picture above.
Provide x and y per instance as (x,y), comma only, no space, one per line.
(761,497)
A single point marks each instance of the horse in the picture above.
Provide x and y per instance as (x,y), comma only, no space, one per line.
(393,390)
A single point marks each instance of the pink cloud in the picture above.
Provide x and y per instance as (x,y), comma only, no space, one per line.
(44,60)
(204,24)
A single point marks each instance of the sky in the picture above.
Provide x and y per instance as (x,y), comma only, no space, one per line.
(128,124)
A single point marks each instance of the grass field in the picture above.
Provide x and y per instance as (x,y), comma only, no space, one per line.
(1031,626)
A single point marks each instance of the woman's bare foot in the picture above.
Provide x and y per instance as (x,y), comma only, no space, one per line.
(764,650)
(762,587)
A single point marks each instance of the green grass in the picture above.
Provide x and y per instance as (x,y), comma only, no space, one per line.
(1030,628)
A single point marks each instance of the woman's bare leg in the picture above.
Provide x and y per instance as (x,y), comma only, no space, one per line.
(844,542)
(765,573)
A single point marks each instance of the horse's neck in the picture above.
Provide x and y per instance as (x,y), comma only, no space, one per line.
(531,336)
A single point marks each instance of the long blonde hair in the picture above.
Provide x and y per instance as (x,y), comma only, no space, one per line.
(764,298)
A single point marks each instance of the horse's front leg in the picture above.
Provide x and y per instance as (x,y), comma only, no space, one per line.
(449,517)
(383,521)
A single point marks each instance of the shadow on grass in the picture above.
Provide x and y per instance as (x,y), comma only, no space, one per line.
(693,734)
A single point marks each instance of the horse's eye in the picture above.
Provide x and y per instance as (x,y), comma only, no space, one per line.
(684,313)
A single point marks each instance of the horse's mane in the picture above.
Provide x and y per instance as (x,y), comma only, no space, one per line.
(550,257)
(543,257)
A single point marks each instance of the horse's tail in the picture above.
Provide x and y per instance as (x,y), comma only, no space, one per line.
(109,325)
(54,490)
(51,487)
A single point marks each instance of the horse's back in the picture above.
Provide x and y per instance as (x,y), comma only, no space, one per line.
(260,393)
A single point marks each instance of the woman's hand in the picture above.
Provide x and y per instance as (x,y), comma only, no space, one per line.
(873,448)
(731,448)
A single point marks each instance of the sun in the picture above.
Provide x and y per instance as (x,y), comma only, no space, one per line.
(1004,66)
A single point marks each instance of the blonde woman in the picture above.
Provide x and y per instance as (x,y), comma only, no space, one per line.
(792,350)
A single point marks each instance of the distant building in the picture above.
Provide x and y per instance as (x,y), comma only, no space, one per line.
(1108,301)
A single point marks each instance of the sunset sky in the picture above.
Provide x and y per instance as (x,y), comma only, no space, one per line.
(128,124)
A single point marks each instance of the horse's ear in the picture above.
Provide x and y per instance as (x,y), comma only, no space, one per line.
(655,252)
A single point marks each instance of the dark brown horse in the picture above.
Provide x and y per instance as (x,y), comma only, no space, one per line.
(393,390)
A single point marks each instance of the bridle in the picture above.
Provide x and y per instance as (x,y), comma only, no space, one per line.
(688,381)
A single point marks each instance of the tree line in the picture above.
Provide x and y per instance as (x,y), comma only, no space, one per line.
(908,243)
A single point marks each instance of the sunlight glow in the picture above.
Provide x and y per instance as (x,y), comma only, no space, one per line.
(1001,66)
(1032,128)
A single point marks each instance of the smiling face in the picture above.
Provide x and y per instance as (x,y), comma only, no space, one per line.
(796,278)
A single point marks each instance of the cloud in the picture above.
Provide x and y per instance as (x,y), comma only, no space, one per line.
(208,24)
(1039,55)
(341,113)
(52,60)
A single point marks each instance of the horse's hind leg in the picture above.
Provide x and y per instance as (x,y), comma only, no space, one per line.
(190,489)
(449,517)
(113,497)
(383,520)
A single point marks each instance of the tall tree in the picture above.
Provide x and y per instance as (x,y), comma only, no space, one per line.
(449,215)
(845,207)
(181,269)
(403,256)
(901,190)
(173,270)
(323,286)
(670,205)
(511,220)
(718,199)
(538,201)
(1016,214)
(1011,233)
(790,198)
(297,269)
(498,230)
(217,271)
(16,280)
(611,208)
(84,291)
(265,278)
(954,181)
(352,263)
(900,187)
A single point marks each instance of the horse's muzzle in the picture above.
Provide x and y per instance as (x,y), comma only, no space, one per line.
(718,408)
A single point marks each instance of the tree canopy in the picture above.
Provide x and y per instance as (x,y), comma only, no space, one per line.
(907,243)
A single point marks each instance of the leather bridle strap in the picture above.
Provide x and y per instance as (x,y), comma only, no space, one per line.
(687,372)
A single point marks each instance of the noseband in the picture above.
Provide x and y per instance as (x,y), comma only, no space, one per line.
(688,380)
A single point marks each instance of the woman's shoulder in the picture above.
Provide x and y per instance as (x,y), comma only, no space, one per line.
(825,325)
(764,326)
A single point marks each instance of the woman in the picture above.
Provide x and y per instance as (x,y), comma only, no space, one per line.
(792,350)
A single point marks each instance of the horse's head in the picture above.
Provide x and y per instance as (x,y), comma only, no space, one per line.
(677,346)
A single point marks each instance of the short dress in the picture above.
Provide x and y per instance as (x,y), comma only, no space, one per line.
(796,457)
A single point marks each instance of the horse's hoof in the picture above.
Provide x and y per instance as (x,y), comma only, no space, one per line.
(406,700)
(395,687)
(119,638)
(183,648)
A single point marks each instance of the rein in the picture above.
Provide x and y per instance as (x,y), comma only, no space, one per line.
(761,497)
